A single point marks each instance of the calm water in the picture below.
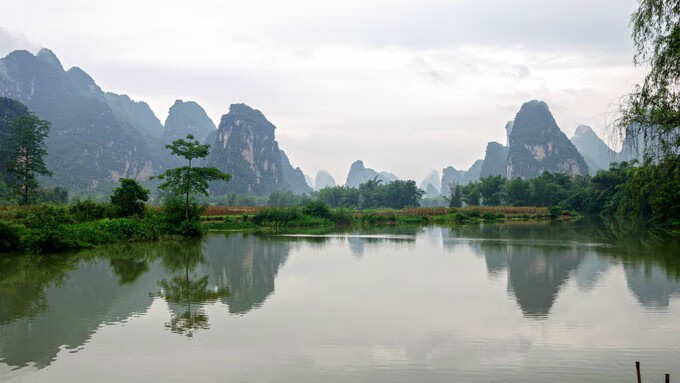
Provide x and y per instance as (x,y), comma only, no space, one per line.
(494,303)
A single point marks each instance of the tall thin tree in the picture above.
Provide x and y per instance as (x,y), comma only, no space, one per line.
(25,149)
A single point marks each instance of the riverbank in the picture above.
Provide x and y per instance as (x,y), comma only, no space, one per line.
(53,228)
(217,218)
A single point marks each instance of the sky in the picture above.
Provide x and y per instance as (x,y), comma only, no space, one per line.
(406,86)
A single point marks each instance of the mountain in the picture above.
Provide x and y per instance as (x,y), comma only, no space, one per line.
(597,154)
(452,176)
(293,178)
(89,146)
(508,131)
(187,117)
(433,179)
(359,174)
(136,113)
(245,147)
(495,160)
(537,144)
(323,180)
(309,181)
(431,191)
(10,110)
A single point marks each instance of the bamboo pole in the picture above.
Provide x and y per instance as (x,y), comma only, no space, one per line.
(637,369)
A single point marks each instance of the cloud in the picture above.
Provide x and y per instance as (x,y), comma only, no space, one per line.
(404,85)
(11,41)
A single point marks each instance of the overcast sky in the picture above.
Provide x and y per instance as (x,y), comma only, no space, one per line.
(406,86)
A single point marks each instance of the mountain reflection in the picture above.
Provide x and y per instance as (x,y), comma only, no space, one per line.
(538,260)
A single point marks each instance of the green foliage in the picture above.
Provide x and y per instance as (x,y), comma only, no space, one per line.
(471,194)
(10,236)
(24,151)
(182,219)
(128,198)
(652,110)
(373,194)
(52,195)
(456,199)
(187,180)
(86,210)
(317,209)
(285,198)
(277,215)
(491,189)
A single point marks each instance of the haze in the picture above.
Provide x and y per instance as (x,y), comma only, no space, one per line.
(406,86)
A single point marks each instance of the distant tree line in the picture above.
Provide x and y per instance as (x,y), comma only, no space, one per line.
(373,194)
(641,194)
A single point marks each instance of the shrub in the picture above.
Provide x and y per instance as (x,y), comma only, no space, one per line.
(279,215)
(51,238)
(10,236)
(47,215)
(89,210)
(317,209)
(124,228)
(174,211)
(342,216)
(555,211)
(128,198)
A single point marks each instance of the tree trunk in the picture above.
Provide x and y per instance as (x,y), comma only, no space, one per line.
(186,206)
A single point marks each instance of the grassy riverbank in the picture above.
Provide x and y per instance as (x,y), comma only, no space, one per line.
(51,228)
(272,218)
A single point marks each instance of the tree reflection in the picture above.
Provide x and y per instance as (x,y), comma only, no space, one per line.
(187,290)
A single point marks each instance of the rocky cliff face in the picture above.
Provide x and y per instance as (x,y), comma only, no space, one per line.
(10,110)
(495,160)
(245,147)
(359,174)
(433,179)
(597,154)
(452,176)
(537,144)
(323,180)
(293,178)
(89,146)
(136,113)
(187,117)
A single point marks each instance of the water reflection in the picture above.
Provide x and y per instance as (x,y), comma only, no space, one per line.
(48,304)
(186,292)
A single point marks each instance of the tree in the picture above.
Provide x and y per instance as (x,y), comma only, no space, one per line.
(25,149)
(187,179)
(456,199)
(129,198)
(517,192)
(471,194)
(652,110)
(491,188)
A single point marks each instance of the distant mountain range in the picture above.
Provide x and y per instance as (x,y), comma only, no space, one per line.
(99,137)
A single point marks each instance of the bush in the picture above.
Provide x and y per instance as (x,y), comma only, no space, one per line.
(52,239)
(124,228)
(128,198)
(46,215)
(90,210)
(317,209)
(10,236)
(555,211)
(279,215)
(342,216)
(174,211)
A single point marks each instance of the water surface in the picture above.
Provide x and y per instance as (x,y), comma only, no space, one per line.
(490,303)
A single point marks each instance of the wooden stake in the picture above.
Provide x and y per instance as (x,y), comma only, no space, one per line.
(637,368)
